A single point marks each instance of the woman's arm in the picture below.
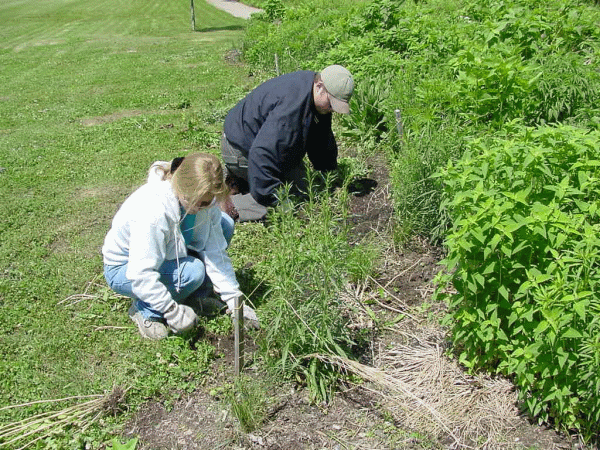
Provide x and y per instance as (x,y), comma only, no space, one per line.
(147,252)
(218,264)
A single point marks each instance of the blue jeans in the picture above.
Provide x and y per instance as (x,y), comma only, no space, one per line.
(190,278)
(227,225)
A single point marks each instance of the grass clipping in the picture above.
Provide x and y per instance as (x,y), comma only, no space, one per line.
(28,431)
(430,393)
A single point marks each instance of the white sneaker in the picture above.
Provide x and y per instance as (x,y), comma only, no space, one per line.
(149,328)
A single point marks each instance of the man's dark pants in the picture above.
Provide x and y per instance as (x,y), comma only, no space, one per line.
(236,165)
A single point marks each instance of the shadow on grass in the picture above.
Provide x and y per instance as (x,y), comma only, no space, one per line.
(359,187)
(251,285)
(226,28)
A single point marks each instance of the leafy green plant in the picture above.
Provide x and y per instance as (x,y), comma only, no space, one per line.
(566,88)
(274,9)
(296,39)
(367,119)
(376,15)
(492,87)
(131,444)
(522,257)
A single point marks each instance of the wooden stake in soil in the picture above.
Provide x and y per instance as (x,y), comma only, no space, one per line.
(399,124)
(238,330)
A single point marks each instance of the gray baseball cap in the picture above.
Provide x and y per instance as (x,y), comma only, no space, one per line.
(340,85)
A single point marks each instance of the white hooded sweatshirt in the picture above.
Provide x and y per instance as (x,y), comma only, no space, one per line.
(146,232)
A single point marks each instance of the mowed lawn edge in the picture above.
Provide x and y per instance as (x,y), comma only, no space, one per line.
(90,94)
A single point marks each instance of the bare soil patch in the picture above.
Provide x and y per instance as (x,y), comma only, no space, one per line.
(109,118)
(428,401)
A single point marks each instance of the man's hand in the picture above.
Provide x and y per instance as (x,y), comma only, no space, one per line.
(228,207)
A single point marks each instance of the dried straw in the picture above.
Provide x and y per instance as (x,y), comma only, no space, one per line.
(28,431)
(425,390)
(388,383)
(478,408)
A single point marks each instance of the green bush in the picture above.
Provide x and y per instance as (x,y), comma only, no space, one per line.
(296,37)
(492,86)
(536,27)
(523,259)
(367,121)
(527,60)
(364,60)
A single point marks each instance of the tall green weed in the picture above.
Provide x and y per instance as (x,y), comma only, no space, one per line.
(311,265)
(492,86)
(527,60)
(524,259)
(566,91)
(536,26)
(417,195)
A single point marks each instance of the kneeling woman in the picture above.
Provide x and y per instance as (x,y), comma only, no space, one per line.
(166,248)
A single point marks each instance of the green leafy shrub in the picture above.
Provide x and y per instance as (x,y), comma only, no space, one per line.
(535,27)
(524,259)
(526,60)
(296,38)
(377,15)
(496,86)
(274,9)
(429,31)
(492,86)
(364,60)
(526,26)
(367,121)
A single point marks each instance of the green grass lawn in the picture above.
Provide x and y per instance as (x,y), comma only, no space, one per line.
(90,94)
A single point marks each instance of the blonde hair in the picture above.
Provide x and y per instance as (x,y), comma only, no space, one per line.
(197,175)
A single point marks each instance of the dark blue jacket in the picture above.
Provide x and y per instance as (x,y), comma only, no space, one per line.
(275,125)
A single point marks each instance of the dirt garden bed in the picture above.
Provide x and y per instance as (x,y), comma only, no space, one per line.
(413,396)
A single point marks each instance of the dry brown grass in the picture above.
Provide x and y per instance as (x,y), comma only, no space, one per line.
(420,385)
(24,433)
(426,391)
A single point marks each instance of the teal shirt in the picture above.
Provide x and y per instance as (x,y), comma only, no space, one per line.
(187,226)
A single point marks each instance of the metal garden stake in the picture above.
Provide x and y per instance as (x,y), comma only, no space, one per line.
(238,330)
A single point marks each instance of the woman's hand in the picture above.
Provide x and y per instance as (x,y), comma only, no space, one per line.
(180,318)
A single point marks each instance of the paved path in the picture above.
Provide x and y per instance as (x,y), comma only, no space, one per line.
(235,8)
